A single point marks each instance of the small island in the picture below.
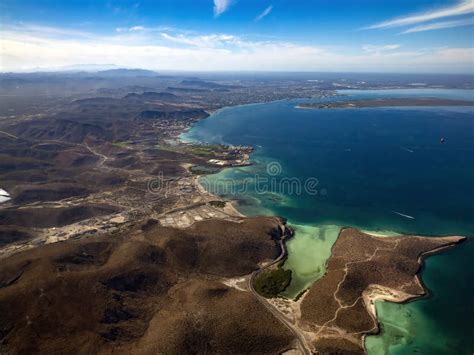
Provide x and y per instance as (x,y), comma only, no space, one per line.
(399,102)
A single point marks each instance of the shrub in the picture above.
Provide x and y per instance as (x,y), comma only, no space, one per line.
(270,284)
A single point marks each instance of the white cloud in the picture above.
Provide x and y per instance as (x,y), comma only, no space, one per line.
(462,8)
(23,49)
(441,25)
(220,6)
(377,49)
(45,30)
(205,41)
(130,29)
(136,28)
(264,13)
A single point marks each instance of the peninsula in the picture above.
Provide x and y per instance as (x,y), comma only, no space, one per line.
(399,102)
(338,311)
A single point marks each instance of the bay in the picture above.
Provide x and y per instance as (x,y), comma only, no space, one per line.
(378,169)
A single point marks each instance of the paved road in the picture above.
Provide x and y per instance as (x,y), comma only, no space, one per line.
(303,346)
(8,134)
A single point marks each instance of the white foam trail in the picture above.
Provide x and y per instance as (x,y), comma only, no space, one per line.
(408,150)
(403,215)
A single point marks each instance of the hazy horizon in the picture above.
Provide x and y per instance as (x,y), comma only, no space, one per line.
(71,69)
(240,35)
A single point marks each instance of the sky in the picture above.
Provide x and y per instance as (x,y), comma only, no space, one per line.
(435,36)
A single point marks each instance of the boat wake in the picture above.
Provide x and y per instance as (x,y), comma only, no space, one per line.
(403,215)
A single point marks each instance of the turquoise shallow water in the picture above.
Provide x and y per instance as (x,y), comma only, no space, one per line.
(307,255)
(369,167)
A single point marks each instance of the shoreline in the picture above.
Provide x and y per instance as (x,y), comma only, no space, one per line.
(377,293)
(386,103)
(372,294)
(229,206)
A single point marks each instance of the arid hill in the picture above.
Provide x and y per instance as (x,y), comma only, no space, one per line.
(338,309)
(96,151)
(152,290)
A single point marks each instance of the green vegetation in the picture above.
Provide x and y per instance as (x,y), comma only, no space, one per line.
(199,172)
(270,284)
(220,204)
(168,148)
(204,150)
(300,295)
(120,144)
(203,170)
(208,150)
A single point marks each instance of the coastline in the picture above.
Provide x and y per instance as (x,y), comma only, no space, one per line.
(378,293)
(386,103)
(287,233)
(229,207)
(372,295)
(230,204)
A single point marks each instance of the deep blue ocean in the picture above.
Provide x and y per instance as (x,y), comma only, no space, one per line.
(406,170)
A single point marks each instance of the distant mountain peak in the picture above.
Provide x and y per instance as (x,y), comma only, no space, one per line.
(127,72)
